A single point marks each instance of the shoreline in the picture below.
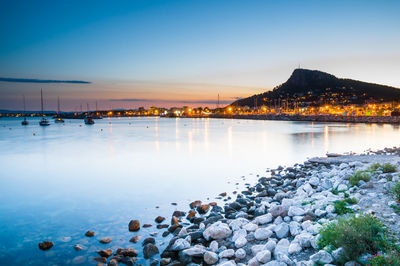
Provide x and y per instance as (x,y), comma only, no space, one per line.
(277,221)
(317,118)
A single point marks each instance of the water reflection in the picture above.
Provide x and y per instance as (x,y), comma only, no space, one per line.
(68,179)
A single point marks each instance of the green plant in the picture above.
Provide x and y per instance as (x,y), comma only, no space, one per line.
(395,208)
(335,191)
(396,191)
(359,175)
(351,201)
(341,206)
(389,168)
(374,167)
(356,234)
(379,260)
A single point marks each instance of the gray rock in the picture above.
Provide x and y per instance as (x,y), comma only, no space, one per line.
(282,230)
(262,234)
(227,253)
(239,233)
(214,246)
(294,228)
(210,257)
(250,227)
(180,244)
(263,256)
(322,257)
(240,254)
(264,219)
(217,231)
(294,248)
(278,211)
(295,211)
(282,247)
(240,242)
(314,181)
(194,251)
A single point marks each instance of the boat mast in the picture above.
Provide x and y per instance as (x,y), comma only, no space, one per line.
(41,99)
(58,105)
(23,97)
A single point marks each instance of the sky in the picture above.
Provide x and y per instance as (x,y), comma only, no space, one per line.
(174,53)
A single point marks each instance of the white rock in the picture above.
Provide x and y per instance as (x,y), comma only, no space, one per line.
(306,224)
(250,227)
(264,219)
(282,246)
(270,245)
(275,263)
(239,233)
(210,257)
(257,248)
(294,228)
(304,239)
(240,242)
(214,246)
(295,211)
(330,208)
(217,231)
(228,263)
(282,230)
(294,247)
(342,187)
(314,181)
(319,212)
(240,253)
(262,234)
(322,257)
(180,244)
(314,229)
(284,258)
(194,251)
(253,262)
(227,253)
(263,256)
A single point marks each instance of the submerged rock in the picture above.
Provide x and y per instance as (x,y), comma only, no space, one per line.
(45,245)
(134,225)
(90,233)
(150,250)
(159,219)
(105,240)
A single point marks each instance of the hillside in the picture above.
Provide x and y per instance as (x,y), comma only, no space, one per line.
(314,88)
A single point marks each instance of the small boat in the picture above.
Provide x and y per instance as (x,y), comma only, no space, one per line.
(58,117)
(59,120)
(89,120)
(43,121)
(24,122)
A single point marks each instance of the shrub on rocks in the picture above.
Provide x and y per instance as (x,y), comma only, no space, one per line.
(358,176)
(357,235)
(396,191)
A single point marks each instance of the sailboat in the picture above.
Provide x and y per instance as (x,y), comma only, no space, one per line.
(58,117)
(88,119)
(43,121)
(25,122)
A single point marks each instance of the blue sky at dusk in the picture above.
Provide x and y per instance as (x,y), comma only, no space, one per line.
(167,52)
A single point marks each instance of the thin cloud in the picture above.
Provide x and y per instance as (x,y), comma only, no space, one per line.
(170,101)
(43,81)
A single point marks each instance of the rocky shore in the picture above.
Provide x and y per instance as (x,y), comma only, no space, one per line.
(279,220)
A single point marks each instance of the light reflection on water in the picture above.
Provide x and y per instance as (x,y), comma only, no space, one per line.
(70,178)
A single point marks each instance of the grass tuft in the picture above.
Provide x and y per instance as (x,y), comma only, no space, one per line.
(359,175)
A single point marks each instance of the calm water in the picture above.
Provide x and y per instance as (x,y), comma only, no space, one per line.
(57,182)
